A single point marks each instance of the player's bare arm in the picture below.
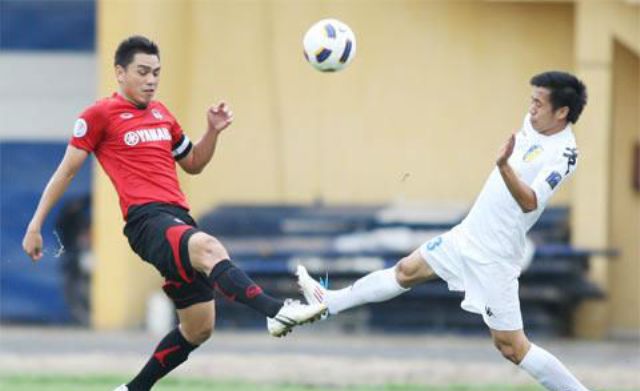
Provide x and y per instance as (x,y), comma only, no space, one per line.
(219,117)
(521,192)
(60,180)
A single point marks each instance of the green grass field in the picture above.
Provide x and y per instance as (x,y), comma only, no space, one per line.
(108,383)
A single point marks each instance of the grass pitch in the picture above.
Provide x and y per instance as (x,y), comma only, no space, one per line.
(108,383)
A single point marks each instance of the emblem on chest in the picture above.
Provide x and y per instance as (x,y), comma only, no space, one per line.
(532,153)
(157,114)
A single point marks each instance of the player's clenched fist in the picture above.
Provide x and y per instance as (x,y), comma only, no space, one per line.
(32,244)
(219,117)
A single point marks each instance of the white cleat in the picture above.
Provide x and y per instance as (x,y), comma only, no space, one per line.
(313,291)
(293,313)
(122,388)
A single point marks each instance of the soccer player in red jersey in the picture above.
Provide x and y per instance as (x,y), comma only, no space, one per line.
(137,142)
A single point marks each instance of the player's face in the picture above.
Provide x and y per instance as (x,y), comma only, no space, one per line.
(543,118)
(139,80)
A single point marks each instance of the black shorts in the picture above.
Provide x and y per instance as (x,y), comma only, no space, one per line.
(159,233)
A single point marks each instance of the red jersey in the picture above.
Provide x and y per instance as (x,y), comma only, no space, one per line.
(136,147)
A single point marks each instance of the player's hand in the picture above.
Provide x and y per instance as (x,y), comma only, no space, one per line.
(32,244)
(506,150)
(219,117)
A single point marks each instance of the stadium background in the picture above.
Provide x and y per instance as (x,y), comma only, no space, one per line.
(435,89)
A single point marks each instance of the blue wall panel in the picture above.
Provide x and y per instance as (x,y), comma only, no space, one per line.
(31,292)
(48,25)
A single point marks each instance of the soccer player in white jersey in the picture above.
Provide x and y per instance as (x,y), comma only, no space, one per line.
(481,256)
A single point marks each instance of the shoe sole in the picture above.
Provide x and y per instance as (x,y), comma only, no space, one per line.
(312,319)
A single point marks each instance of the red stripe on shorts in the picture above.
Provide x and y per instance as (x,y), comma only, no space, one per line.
(173,235)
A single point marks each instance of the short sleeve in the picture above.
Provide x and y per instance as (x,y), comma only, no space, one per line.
(554,173)
(181,143)
(89,129)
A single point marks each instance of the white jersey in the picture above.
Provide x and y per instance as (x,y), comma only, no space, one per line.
(496,226)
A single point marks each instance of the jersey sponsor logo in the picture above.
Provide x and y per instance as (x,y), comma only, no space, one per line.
(553,179)
(131,138)
(126,115)
(532,153)
(146,135)
(80,128)
(156,114)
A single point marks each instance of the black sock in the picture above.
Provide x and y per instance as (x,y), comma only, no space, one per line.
(172,351)
(235,285)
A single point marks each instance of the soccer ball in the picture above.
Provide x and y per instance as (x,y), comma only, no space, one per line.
(329,45)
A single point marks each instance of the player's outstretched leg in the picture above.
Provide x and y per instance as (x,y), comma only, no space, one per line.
(537,362)
(381,285)
(209,256)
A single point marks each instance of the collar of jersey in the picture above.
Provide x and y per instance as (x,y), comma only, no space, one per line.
(118,96)
(529,129)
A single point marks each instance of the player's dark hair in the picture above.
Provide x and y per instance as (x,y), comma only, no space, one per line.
(132,45)
(566,90)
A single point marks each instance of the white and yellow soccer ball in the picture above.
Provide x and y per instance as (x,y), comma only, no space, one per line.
(329,45)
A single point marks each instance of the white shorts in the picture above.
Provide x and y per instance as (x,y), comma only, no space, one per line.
(490,284)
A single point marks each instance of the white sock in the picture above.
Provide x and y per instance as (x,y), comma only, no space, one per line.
(372,288)
(549,371)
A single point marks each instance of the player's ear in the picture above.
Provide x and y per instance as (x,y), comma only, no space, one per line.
(562,113)
(120,71)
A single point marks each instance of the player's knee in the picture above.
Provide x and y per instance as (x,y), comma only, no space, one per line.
(205,251)
(410,271)
(204,332)
(506,349)
(198,334)
(512,349)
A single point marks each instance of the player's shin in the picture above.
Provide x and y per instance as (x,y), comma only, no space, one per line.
(172,351)
(549,371)
(378,286)
(236,285)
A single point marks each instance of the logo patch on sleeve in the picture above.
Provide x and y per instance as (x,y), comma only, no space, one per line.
(80,128)
(553,179)
(572,157)
(434,243)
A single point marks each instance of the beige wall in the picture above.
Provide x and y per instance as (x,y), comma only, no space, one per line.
(624,233)
(598,25)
